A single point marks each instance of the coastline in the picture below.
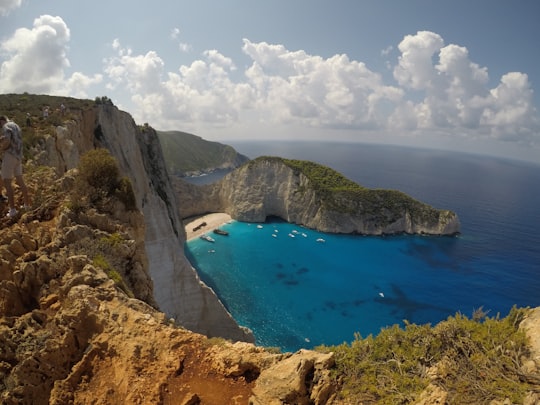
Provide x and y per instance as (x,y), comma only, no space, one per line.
(213,220)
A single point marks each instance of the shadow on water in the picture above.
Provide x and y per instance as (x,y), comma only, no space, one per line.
(437,253)
(400,303)
(342,306)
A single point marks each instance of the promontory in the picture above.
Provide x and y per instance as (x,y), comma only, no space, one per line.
(315,196)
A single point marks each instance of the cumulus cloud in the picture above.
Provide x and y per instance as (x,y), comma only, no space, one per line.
(281,86)
(336,92)
(36,60)
(200,92)
(7,5)
(457,98)
(436,89)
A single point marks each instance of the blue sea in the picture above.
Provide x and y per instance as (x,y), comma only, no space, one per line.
(296,292)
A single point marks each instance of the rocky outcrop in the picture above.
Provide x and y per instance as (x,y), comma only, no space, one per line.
(73,333)
(178,290)
(272,187)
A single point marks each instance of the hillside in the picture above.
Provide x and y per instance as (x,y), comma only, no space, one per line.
(186,154)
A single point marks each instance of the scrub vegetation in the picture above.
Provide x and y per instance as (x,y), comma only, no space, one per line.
(98,180)
(186,153)
(340,194)
(475,360)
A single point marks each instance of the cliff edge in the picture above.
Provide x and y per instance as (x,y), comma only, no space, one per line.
(177,289)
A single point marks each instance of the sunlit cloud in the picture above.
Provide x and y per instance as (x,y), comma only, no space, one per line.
(292,87)
(456,93)
(436,88)
(36,60)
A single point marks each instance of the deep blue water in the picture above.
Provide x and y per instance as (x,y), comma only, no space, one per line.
(297,292)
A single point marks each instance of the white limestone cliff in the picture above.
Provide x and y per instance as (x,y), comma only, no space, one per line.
(269,187)
(178,290)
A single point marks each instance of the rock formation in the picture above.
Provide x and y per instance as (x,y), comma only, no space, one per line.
(274,187)
(73,332)
(178,290)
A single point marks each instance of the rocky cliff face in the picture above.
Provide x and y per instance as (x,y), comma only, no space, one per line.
(178,290)
(270,187)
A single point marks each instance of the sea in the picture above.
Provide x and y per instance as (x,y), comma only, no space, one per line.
(298,288)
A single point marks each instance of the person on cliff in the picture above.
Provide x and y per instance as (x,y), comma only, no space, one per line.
(11,145)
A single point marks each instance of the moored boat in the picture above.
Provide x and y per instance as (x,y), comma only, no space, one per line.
(207,238)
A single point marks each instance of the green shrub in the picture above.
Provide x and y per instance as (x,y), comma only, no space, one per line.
(98,181)
(99,169)
(101,262)
(478,360)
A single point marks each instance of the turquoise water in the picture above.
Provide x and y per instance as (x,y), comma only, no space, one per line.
(295,292)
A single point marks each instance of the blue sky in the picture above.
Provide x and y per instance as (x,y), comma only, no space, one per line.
(458,74)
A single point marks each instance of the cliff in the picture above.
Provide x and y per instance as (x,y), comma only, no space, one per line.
(75,327)
(177,289)
(314,196)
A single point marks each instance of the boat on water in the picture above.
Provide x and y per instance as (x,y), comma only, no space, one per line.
(221,232)
(207,238)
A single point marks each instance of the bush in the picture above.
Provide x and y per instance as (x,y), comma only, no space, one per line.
(98,181)
(102,262)
(99,169)
(477,360)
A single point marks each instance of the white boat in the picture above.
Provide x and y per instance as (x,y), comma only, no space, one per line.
(321,240)
(208,238)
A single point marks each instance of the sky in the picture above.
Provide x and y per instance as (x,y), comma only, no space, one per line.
(453,74)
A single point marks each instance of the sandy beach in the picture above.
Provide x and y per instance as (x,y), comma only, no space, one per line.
(213,221)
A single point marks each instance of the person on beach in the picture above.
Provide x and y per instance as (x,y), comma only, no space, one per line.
(12,148)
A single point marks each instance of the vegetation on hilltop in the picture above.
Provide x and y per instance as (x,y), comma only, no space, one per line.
(344,195)
(474,360)
(17,106)
(27,111)
(184,153)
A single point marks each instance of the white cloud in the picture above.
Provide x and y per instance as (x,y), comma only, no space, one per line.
(182,46)
(334,92)
(7,5)
(138,74)
(438,89)
(175,33)
(386,51)
(293,87)
(200,92)
(457,99)
(36,60)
